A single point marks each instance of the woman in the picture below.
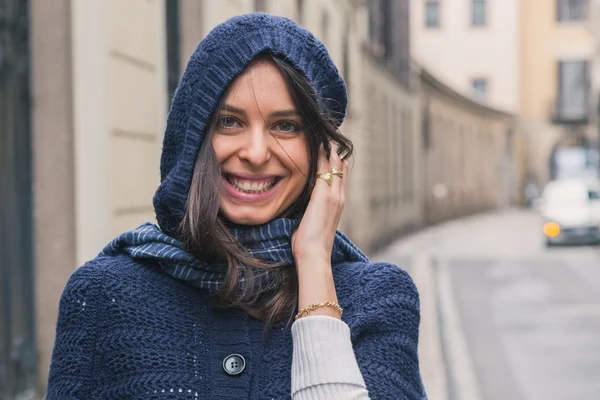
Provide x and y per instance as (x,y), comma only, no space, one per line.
(245,290)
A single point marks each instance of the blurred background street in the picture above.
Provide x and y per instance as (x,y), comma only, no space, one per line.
(503,317)
(462,113)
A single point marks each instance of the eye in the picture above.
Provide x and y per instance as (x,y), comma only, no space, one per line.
(287,127)
(227,122)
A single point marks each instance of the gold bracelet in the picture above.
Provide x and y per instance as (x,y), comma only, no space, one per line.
(313,307)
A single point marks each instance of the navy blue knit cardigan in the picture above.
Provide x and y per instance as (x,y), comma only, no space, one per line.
(128,330)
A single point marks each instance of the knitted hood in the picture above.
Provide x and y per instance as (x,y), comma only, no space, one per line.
(218,59)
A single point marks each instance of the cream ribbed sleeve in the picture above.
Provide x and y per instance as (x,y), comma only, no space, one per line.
(323,365)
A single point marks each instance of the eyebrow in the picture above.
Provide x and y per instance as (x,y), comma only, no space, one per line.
(279,113)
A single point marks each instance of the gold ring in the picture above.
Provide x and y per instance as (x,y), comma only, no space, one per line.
(335,171)
(327,177)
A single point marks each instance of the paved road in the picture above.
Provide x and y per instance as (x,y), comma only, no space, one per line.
(503,317)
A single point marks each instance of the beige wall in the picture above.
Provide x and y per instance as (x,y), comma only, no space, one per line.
(314,14)
(215,12)
(384,200)
(286,8)
(91,139)
(54,190)
(457,52)
(191,29)
(469,164)
(545,42)
(137,108)
(119,113)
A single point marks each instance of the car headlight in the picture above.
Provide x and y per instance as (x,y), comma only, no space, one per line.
(551,229)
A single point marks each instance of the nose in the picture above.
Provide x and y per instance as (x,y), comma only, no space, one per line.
(255,149)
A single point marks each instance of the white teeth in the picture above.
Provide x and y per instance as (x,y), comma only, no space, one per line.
(251,187)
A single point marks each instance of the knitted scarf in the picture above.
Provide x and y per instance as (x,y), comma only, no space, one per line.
(269,242)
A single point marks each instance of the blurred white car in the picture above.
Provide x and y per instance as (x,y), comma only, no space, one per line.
(570,209)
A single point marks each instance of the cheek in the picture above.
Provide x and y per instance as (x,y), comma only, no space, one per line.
(220,147)
(299,154)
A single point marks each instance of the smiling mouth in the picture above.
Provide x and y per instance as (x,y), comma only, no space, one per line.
(251,186)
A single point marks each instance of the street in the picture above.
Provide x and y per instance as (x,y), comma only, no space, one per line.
(502,316)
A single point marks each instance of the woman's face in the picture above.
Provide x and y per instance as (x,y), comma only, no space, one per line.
(260,144)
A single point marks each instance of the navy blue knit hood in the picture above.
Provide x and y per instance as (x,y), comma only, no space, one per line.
(218,59)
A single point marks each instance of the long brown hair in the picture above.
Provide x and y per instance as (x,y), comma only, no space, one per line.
(204,231)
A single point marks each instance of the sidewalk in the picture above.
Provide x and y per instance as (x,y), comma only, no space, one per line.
(445,363)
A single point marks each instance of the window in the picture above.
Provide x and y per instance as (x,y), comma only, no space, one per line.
(571,10)
(478,11)
(172,15)
(432,13)
(480,86)
(572,102)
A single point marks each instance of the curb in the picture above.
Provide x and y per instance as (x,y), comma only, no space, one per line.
(462,382)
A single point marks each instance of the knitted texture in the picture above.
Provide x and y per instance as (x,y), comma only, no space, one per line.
(219,58)
(127,331)
(269,242)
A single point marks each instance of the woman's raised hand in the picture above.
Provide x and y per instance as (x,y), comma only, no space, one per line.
(315,235)
(313,241)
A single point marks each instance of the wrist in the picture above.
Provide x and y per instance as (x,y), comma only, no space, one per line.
(314,270)
(313,259)
(329,309)
(315,285)
(315,282)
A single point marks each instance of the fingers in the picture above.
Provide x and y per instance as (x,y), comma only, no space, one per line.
(322,167)
(327,201)
(335,162)
(338,183)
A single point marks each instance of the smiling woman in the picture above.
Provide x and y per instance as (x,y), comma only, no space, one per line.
(253,171)
(261,147)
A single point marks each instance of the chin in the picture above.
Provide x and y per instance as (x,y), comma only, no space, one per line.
(247,219)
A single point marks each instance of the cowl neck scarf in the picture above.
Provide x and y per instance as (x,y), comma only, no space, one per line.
(269,242)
